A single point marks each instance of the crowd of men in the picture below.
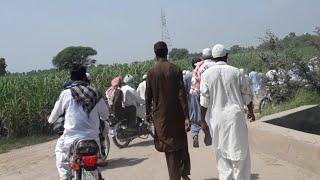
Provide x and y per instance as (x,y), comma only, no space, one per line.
(211,97)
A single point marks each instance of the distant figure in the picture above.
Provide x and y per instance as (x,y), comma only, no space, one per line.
(200,68)
(141,90)
(255,81)
(194,106)
(167,107)
(115,98)
(223,94)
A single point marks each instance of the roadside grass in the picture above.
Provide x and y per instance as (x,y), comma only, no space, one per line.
(8,144)
(301,98)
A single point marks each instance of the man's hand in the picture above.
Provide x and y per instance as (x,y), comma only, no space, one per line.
(251,116)
(204,125)
(187,125)
(149,118)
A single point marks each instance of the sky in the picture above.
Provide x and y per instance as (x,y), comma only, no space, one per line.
(32,32)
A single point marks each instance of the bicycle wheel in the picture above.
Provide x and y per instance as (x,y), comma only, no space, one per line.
(264,104)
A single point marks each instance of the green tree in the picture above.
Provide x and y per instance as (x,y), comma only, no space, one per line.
(74,55)
(3,66)
(178,53)
(235,49)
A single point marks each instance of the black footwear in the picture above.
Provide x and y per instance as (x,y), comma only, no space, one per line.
(207,138)
(196,141)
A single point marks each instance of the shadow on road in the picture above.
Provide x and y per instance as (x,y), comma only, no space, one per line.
(123,162)
(253,177)
(143,143)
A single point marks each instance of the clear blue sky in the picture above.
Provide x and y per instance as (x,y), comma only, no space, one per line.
(32,32)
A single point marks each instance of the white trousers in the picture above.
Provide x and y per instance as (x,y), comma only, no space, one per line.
(61,151)
(237,170)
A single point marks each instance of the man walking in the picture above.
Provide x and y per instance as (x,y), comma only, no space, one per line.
(223,93)
(194,106)
(199,69)
(167,106)
(255,81)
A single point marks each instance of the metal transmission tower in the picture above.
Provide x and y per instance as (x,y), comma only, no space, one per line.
(165,36)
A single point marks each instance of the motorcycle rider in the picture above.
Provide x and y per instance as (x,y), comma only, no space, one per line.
(83,107)
(131,101)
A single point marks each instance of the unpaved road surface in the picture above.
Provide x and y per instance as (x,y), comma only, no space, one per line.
(140,161)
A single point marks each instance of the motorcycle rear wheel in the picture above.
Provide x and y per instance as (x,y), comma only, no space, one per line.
(120,144)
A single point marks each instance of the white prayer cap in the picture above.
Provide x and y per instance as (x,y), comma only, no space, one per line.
(128,79)
(206,53)
(218,50)
(144,76)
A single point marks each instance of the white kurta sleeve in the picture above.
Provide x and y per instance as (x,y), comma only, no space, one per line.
(59,108)
(136,98)
(204,92)
(246,92)
(103,109)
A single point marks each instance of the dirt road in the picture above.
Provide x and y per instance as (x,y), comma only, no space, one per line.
(140,161)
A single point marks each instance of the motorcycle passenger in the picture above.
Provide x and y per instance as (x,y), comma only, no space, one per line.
(83,107)
(131,101)
(115,98)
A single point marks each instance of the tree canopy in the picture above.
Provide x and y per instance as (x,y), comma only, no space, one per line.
(3,66)
(178,53)
(74,55)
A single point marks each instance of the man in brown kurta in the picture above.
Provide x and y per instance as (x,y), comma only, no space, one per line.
(167,107)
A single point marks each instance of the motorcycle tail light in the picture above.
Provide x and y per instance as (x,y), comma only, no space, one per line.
(89,161)
(74,166)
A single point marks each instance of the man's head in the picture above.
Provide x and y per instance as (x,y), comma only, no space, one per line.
(160,49)
(78,73)
(144,77)
(219,53)
(128,80)
(206,53)
(194,62)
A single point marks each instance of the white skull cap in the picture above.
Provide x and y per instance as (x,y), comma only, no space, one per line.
(128,79)
(218,50)
(144,76)
(206,53)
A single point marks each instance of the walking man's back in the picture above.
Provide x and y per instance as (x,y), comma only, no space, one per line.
(166,105)
(224,92)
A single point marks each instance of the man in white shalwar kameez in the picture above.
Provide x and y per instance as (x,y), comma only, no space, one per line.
(81,121)
(223,94)
(141,89)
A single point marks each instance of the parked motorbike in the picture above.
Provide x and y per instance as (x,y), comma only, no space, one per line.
(122,135)
(82,159)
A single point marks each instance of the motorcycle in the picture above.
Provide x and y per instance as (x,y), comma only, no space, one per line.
(122,135)
(83,160)
(103,135)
